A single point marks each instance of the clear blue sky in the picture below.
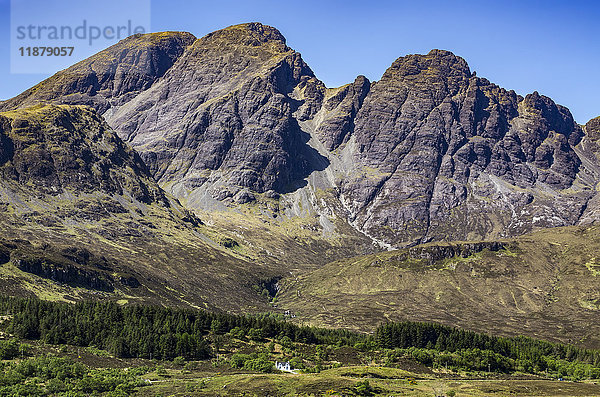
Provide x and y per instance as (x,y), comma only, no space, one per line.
(549,46)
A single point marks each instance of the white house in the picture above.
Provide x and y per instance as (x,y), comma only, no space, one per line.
(285,367)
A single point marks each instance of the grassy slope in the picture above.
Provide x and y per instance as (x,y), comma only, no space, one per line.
(293,243)
(175,263)
(545,284)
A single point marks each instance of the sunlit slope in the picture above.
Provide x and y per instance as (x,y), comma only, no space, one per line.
(545,284)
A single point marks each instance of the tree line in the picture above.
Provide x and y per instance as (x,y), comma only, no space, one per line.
(149,331)
(146,331)
(496,353)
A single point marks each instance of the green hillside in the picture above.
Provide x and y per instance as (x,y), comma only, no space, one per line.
(544,284)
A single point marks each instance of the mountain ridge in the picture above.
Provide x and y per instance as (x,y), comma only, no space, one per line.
(296,181)
(252,106)
(130,65)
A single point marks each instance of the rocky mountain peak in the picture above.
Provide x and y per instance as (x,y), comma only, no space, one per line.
(222,115)
(436,65)
(226,58)
(556,117)
(290,174)
(434,139)
(250,34)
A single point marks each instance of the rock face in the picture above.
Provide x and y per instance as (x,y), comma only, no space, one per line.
(432,253)
(221,115)
(66,273)
(458,157)
(429,152)
(432,152)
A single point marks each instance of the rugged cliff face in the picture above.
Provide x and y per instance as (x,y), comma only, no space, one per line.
(428,152)
(457,157)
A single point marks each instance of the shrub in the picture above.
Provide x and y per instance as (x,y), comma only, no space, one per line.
(363,388)
(238,360)
(360,346)
(259,364)
(237,333)
(297,363)
(286,342)
(179,361)
(190,365)
(9,349)
(256,334)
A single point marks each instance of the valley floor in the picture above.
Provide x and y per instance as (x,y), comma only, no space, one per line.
(342,382)
(217,378)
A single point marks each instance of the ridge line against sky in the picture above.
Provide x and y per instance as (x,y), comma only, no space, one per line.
(552,47)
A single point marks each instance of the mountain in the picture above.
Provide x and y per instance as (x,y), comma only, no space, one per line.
(211,169)
(461,158)
(83,217)
(430,152)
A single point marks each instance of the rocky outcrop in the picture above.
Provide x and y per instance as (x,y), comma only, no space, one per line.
(340,111)
(66,273)
(435,253)
(438,252)
(73,266)
(4,255)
